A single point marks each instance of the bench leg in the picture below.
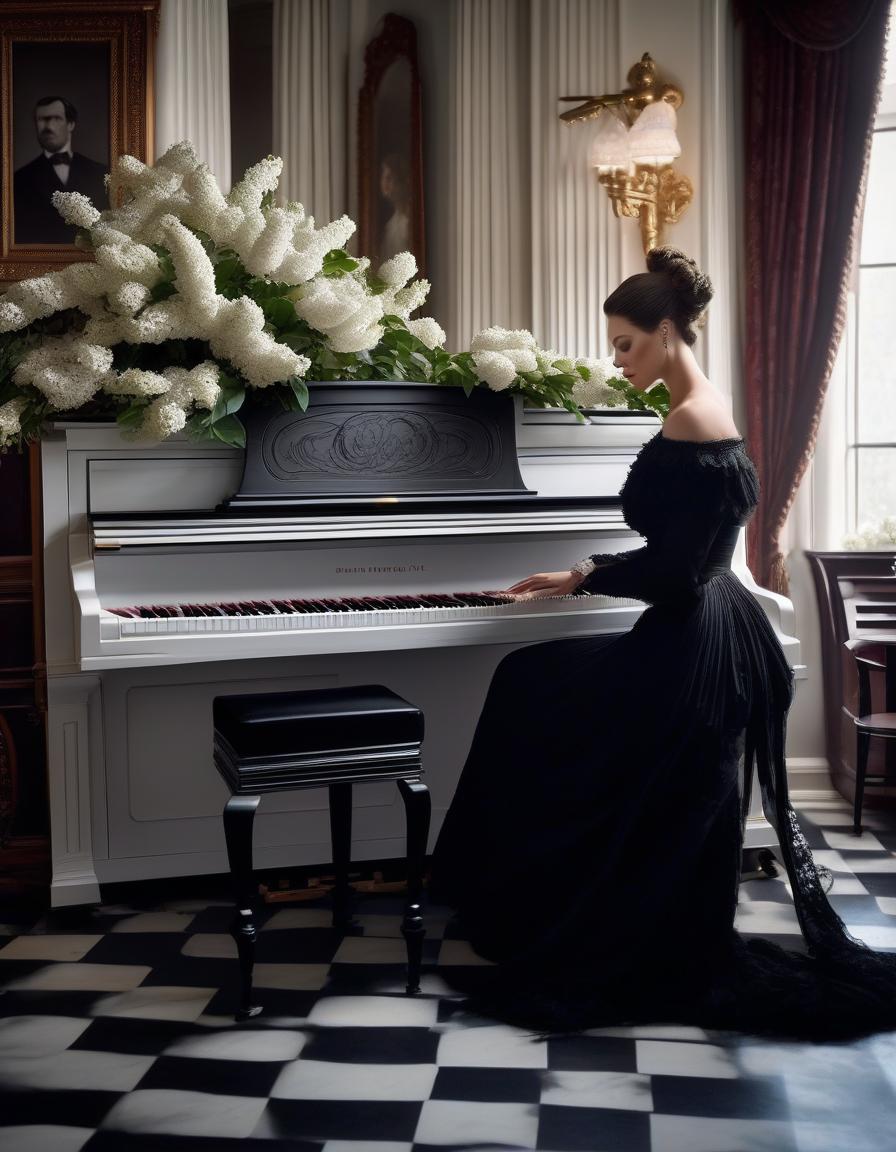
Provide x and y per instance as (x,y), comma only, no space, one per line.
(341,836)
(863,746)
(418,806)
(239,814)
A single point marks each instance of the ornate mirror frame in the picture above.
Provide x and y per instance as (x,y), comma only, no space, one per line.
(396,41)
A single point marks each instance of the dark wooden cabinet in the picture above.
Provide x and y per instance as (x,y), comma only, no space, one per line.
(856,594)
(24,811)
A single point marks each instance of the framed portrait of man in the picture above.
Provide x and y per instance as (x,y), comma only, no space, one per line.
(390,146)
(76,91)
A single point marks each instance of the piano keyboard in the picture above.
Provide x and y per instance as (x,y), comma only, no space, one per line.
(345,612)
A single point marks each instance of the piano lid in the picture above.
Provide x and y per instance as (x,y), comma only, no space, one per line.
(381,443)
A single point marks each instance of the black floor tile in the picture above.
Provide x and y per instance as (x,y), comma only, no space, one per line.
(587,1129)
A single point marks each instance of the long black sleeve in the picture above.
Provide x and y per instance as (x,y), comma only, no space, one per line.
(671,561)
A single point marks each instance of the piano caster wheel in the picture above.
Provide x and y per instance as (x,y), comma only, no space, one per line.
(765,858)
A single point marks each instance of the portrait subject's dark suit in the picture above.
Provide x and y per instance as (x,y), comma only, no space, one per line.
(35,220)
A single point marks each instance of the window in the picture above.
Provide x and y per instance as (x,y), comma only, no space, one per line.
(868,350)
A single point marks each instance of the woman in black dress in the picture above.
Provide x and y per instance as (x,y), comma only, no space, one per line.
(593,846)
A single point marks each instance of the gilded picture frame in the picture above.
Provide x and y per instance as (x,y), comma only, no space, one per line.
(390,146)
(76,91)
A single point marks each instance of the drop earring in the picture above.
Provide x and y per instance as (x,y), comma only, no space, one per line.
(665,339)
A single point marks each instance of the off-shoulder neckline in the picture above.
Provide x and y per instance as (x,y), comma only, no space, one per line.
(724,442)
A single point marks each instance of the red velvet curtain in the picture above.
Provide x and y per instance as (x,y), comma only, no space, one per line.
(812,74)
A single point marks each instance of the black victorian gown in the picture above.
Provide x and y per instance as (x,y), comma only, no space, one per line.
(593,847)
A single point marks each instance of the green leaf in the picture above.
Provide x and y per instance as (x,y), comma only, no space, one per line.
(279,312)
(161,291)
(300,391)
(230,430)
(131,417)
(338,263)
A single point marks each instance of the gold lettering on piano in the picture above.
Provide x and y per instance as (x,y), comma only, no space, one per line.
(377,568)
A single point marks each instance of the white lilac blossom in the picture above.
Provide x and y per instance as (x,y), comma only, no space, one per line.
(408,300)
(75,208)
(10,419)
(428,331)
(67,370)
(239,337)
(270,246)
(398,270)
(161,420)
(502,339)
(878,534)
(135,382)
(495,370)
(257,181)
(159,257)
(194,272)
(128,297)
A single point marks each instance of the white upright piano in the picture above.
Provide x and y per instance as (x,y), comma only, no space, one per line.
(155,604)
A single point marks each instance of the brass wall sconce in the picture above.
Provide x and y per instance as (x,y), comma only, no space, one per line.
(634,147)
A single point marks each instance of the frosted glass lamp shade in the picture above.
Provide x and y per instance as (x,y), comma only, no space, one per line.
(610,146)
(652,139)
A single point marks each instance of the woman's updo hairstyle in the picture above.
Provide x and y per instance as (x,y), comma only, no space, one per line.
(672,286)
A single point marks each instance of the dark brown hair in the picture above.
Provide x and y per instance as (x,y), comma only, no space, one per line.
(672,286)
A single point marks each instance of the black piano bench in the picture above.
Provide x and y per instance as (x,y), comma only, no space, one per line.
(272,741)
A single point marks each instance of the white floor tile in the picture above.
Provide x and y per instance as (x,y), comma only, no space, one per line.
(217,945)
(849,842)
(327,1080)
(24,1036)
(875,935)
(41,1137)
(77,1071)
(473,1122)
(366,1146)
(626,1090)
(155,922)
(66,977)
(169,1111)
(702,1134)
(375,1011)
(298,977)
(766,916)
(299,918)
(370,950)
(242,1044)
(491,1046)
(669,1058)
(858,863)
(161,1002)
(48,947)
(814,1136)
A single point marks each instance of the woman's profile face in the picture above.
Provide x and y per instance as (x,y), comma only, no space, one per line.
(387,182)
(638,354)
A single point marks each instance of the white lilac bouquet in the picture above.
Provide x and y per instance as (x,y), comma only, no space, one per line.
(194,298)
(877,535)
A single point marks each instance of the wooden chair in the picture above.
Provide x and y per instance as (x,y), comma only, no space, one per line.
(873,655)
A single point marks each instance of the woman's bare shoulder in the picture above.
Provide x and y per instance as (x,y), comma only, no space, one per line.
(699,420)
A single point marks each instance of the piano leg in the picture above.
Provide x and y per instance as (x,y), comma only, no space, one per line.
(239,815)
(341,836)
(418,806)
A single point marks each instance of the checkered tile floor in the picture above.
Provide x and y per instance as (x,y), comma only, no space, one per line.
(116,1033)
